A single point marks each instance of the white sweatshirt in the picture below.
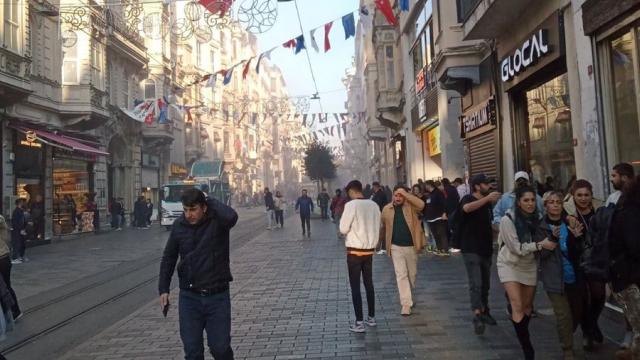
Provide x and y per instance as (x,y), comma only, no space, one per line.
(361,223)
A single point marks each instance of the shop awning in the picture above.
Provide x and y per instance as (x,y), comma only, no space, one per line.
(62,141)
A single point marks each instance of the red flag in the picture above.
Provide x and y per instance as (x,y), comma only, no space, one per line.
(385,8)
(290,44)
(217,7)
(246,69)
(327,44)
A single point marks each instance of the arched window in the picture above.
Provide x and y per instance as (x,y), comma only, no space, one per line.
(149,89)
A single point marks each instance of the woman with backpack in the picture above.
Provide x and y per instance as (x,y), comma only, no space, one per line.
(560,271)
(582,207)
(625,261)
(521,238)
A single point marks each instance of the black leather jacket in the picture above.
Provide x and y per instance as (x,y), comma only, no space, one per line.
(203,249)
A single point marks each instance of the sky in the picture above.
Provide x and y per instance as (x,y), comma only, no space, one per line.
(329,68)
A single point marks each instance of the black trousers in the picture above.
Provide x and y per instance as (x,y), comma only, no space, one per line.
(280,217)
(361,265)
(594,304)
(440,231)
(18,244)
(306,220)
(5,272)
(324,212)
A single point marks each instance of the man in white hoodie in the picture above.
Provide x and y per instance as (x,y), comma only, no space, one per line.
(360,223)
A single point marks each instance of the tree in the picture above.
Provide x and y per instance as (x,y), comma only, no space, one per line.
(319,162)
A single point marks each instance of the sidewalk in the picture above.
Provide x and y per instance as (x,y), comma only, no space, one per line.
(64,261)
(291,300)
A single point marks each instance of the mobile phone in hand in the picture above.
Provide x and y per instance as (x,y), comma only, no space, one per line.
(165,309)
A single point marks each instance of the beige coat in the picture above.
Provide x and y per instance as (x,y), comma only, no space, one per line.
(411,210)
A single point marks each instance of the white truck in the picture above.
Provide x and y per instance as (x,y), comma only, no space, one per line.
(170,204)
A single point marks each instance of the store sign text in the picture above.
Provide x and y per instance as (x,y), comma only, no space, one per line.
(475,120)
(31,140)
(178,169)
(420,81)
(526,55)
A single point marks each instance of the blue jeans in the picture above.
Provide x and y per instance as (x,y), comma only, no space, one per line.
(211,313)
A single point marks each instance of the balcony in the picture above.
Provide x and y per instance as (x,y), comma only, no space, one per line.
(389,105)
(489,18)
(159,134)
(15,84)
(84,107)
(124,38)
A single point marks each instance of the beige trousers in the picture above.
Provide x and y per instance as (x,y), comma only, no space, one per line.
(405,263)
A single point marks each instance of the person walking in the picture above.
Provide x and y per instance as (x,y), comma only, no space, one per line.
(279,204)
(36,209)
(621,175)
(337,207)
(139,212)
(116,214)
(323,204)
(149,212)
(476,245)
(200,237)
(270,205)
(304,205)
(404,239)
(507,201)
(582,207)
(360,222)
(379,196)
(625,261)
(18,232)
(5,267)
(436,215)
(521,237)
(560,272)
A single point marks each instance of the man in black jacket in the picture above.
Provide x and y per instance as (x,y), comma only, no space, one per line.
(380,198)
(436,214)
(201,238)
(271,207)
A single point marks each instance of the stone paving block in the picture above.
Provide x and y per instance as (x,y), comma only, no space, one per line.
(291,300)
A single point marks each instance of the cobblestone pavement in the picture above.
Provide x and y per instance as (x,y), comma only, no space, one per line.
(76,256)
(291,300)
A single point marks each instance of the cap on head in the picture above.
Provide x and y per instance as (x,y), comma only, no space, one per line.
(521,175)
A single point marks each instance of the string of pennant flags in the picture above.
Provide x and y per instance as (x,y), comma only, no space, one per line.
(299,43)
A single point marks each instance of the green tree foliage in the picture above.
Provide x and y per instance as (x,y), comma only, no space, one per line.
(319,162)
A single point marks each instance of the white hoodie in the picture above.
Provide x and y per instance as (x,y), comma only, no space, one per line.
(361,223)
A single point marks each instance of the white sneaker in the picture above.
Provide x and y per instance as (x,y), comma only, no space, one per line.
(16,261)
(370,321)
(381,252)
(454,250)
(358,327)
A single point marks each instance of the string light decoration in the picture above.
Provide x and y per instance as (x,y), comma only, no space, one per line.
(301,103)
(258,16)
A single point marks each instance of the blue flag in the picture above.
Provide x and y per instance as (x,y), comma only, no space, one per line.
(300,44)
(349,25)
(404,5)
(227,76)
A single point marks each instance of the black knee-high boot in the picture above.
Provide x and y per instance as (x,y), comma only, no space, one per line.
(522,331)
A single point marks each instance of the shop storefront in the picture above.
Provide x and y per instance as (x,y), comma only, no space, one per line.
(615,32)
(55,174)
(535,76)
(477,129)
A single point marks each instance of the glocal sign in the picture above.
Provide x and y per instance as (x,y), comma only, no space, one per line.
(526,55)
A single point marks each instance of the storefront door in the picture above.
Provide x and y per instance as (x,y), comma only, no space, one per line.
(72,196)
(548,135)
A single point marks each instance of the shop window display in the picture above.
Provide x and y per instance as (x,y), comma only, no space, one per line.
(73,206)
(550,139)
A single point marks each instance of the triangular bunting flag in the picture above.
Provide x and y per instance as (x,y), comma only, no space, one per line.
(291,44)
(404,5)
(327,43)
(227,76)
(300,44)
(245,71)
(266,54)
(314,44)
(349,25)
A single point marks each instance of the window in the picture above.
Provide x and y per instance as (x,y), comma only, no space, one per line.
(97,67)
(12,33)
(70,65)
(149,89)
(550,139)
(623,86)
(465,8)
(390,67)
(124,100)
(226,142)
